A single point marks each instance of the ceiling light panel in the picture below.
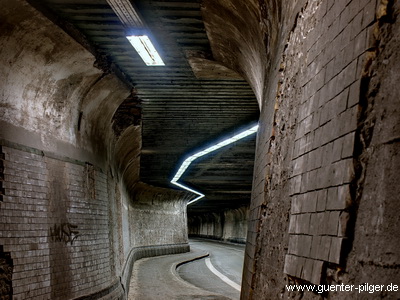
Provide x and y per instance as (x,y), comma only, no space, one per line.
(146,50)
(215,147)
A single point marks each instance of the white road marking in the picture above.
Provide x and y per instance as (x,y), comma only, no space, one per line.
(222,276)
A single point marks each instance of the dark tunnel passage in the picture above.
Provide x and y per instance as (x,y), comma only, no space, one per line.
(95,129)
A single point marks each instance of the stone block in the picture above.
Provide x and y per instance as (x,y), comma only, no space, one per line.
(321,221)
(338,55)
(348,145)
(342,172)
(299,165)
(310,162)
(343,197)
(313,181)
(347,76)
(324,248)
(318,158)
(295,185)
(293,247)
(327,151)
(308,269)
(332,88)
(369,13)
(299,131)
(337,149)
(290,265)
(341,105)
(321,11)
(304,245)
(292,224)
(302,145)
(329,132)
(299,268)
(330,70)
(314,225)
(356,25)
(323,218)
(306,124)
(348,57)
(325,113)
(303,221)
(344,218)
(354,94)
(318,267)
(360,44)
(295,150)
(309,202)
(310,142)
(335,251)
(333,223)
(322,177)
(319,80)
(296,204)
(321,200)
(318,136)
(306,182)
(332,199)
(324,96)
(315,245)
(345,37)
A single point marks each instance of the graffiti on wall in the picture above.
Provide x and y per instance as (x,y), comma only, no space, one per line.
(64,232)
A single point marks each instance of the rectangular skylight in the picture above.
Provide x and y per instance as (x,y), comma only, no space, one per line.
(146,50)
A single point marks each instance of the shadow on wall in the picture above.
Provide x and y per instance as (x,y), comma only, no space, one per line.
(72,207)
(230,225)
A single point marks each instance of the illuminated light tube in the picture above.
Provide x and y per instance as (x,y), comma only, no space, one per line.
(146,50)
(215,147)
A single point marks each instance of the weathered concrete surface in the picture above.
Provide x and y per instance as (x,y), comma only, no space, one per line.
(375,254)
(318,154)
(238,44)
(324,195)
(72,208)
(158,216)
(229,225)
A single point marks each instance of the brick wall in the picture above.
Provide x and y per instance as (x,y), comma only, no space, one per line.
(303,202)
(322,165)
(68,230)
(68,225)
(55,225)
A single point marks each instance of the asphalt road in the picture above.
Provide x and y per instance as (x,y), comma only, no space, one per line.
(226,261)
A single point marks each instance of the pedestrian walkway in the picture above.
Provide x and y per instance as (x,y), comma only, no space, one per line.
(156,279)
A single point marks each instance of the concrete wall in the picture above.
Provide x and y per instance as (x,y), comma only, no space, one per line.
(230,225)
(322,210)
(74,216)
(312,215)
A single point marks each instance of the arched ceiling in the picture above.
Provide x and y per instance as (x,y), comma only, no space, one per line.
(185,105)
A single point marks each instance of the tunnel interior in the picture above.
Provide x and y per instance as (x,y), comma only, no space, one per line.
(91,137)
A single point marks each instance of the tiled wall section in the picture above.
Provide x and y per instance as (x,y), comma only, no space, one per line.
(54,222)
(322,165)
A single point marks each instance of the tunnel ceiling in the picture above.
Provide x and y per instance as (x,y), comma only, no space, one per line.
(186,104)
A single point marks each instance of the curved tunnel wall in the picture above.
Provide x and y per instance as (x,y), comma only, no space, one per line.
(324,194)
(74,214)
(321,209)
(230,225)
